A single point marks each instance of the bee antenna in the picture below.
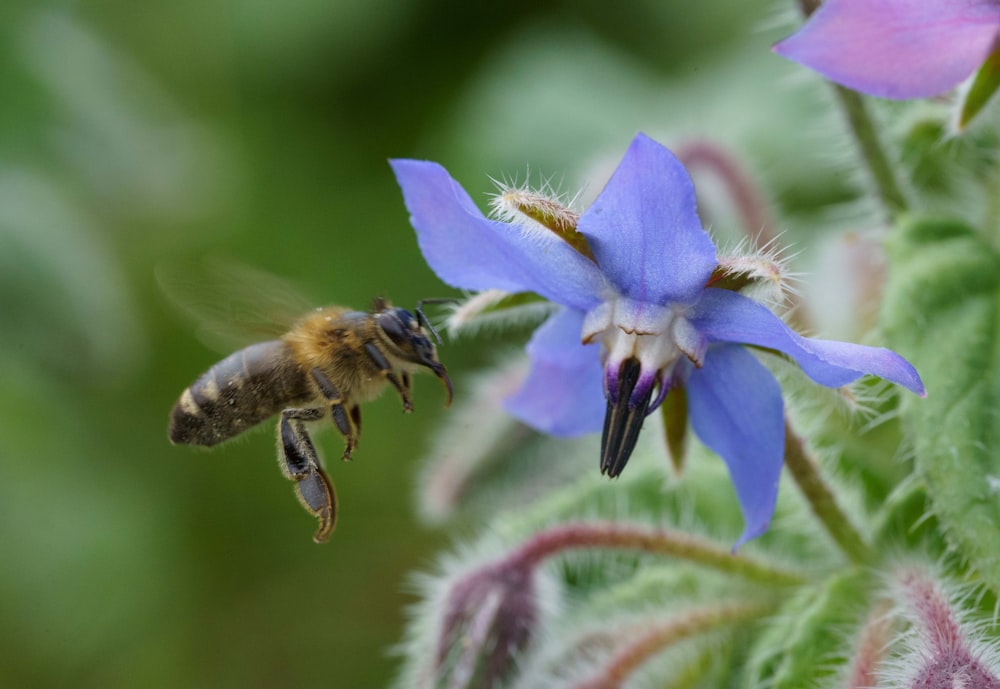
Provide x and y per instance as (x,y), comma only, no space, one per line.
(422,317)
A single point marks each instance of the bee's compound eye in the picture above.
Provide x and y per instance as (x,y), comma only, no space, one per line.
(393,326)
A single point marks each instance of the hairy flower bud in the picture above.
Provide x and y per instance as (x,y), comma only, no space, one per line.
(489,619)
(942,654)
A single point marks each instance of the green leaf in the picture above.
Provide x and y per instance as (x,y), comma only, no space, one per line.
(941,311)
(984,85)
(903,522)
(807,637)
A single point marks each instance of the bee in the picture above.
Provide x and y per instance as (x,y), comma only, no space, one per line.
(330,362)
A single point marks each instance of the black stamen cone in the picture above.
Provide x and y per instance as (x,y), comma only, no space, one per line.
(623,421)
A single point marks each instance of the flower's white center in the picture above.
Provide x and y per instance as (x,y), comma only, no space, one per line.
(654,335)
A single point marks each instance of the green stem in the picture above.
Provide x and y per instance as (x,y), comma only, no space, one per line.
(871,150)
(805,471)
(866,137)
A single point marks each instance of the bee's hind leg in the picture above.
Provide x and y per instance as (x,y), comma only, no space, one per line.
(402,387)
(297,452)
(347,421)
(299,462)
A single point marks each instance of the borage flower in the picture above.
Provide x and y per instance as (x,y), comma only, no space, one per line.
(638,318)
(897,48)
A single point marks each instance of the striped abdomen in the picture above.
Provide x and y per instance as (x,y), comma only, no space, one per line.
(240,391)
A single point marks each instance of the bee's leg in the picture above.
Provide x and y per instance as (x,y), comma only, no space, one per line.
(299,462)
(315,492)
(297,454)
(403,388)
(342,417)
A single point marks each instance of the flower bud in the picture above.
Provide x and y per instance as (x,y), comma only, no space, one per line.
(489,618)
(942,654)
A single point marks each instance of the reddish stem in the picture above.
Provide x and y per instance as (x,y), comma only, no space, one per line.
(749,201)
(659,541)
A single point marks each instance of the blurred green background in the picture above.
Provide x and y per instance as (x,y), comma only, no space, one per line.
(134,135)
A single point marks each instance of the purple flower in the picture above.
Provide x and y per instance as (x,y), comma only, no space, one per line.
(637,319)
(896,48)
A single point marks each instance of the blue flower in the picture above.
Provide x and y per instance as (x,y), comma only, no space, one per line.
(637,319)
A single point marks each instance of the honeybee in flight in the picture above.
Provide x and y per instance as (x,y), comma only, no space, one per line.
(331,360)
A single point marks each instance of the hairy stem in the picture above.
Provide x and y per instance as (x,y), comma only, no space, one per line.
(871,649)
(871,150)
(806,473)
(646,643)
(661,542)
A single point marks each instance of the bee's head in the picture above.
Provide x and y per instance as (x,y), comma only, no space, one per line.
(410,339)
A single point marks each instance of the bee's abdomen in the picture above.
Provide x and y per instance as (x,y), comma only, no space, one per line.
(240,391)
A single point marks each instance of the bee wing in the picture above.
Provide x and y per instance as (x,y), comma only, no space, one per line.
(231,303)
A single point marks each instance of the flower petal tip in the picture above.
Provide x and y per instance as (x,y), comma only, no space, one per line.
(906,377)
(916,385)
(750,533)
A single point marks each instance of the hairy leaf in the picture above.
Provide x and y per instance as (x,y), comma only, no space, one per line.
(941,310)
(807,638)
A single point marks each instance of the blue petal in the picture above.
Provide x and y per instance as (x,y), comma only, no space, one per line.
(469,251)
(644,228)
(896,48)
(725,316)
(563,394)
(736,410)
